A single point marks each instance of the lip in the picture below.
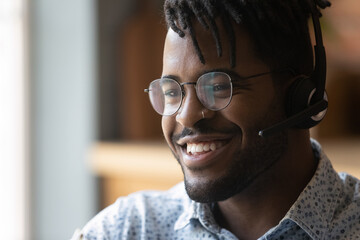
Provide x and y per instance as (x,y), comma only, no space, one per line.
(203,160)
(202,138)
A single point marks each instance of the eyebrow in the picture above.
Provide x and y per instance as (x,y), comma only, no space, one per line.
(234,75)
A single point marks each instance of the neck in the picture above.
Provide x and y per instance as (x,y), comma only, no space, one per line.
(262,205)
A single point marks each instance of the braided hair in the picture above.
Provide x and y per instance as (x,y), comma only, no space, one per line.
(278,28)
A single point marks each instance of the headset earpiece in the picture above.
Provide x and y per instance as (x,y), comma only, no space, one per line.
(299,98)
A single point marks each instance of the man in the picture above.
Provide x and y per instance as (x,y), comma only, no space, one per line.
(238,93)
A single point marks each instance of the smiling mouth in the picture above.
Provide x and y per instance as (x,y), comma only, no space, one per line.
(203,147)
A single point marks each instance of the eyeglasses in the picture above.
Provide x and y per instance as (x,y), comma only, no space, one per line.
(213,89)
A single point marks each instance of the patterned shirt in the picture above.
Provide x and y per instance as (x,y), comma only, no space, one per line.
(328,208)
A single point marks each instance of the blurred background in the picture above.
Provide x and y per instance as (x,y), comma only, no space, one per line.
(76,129)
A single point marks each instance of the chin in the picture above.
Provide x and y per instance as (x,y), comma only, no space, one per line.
(246,166)
(209,191)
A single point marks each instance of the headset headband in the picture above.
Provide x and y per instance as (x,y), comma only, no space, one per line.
(319,73)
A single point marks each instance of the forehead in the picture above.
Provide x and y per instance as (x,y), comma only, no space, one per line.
(180,57)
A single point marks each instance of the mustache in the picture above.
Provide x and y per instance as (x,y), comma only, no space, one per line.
(201,130)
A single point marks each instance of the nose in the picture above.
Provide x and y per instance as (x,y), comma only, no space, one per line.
(191,110)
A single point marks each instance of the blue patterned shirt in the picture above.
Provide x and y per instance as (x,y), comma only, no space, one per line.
(328,208)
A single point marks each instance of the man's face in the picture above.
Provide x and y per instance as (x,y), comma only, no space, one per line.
(237,155)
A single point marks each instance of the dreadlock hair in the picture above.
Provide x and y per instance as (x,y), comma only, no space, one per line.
(278,28)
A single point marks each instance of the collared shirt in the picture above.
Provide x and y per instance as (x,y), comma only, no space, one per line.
(328,208)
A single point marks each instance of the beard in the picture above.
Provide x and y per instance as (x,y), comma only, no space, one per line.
(248,163)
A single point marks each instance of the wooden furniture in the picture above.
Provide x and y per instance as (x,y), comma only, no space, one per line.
(132,166)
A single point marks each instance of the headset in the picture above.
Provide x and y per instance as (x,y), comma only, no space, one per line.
(307,100)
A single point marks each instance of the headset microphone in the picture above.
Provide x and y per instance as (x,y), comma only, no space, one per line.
(307,100)
(314,109)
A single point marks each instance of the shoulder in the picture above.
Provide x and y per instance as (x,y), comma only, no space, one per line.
(350,196)
(138,212)
(335,201)
(346,218)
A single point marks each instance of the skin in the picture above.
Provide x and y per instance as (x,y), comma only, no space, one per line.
(254,181)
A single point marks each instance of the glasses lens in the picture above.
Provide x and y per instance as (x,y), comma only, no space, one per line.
(214,90)
(165,96)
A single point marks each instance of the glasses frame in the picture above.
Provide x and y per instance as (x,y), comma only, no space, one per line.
(232,85)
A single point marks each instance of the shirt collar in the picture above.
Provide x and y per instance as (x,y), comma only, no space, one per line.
(200,212)
(189,213)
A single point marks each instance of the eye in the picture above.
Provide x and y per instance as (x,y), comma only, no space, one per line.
(221,90)
(171,93)
(221,87)
(170,89)
(172,96)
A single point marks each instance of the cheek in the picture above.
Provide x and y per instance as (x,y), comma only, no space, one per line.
(168,124)
(244,109)
(247,112)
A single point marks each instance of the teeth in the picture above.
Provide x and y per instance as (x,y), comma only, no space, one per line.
(206,147)
(199,148)
(193,148)
(202,147)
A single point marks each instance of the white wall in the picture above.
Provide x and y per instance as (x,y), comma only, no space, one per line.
(13,121)
(63,73)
